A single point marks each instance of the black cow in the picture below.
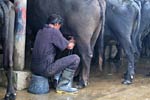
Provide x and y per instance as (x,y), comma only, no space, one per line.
(145,22)
(123,22)
(7,17)
(84,19)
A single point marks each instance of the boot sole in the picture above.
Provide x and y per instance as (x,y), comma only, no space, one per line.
(64,92)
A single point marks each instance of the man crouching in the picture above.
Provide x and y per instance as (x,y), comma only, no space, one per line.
(47,41)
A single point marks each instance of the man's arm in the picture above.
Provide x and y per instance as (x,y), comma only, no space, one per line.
(61,42)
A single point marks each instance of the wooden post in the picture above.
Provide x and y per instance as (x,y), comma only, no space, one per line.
(20,30)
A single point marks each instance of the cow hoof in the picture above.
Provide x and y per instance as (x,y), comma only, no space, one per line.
(81,85)
(10,96)
(127,82)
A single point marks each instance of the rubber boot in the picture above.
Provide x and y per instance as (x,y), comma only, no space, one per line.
(65,82)
(56,79)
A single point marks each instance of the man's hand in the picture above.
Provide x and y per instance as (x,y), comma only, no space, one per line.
(71,42)
(70,45)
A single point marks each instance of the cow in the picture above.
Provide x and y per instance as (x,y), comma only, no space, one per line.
(145,22)
(7,18)
(122,22)
(84,19)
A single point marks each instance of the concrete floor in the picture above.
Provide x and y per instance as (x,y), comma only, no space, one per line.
(103,86)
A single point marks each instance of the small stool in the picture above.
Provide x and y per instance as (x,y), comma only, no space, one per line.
(38,85)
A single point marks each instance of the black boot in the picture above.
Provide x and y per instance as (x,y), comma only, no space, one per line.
(65,82)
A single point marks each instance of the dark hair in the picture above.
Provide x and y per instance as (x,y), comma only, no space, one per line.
(54,18)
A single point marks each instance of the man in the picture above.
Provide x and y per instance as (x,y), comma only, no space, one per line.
(47,41)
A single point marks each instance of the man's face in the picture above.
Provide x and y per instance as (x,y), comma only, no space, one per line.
(57,26)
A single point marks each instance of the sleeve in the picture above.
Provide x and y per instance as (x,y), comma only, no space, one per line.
(59,41)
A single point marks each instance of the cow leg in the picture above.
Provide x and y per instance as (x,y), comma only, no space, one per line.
(8,53)
(86,55)
(10,95)
(127,46)
(117,59)
(85,70)
(86,46)
(8,66)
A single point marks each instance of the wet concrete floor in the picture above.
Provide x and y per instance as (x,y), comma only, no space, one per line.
(104,85)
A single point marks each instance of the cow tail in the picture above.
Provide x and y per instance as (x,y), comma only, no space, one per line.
(135,31)
(102,4)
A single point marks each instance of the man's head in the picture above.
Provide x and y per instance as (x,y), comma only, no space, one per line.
(55,20)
